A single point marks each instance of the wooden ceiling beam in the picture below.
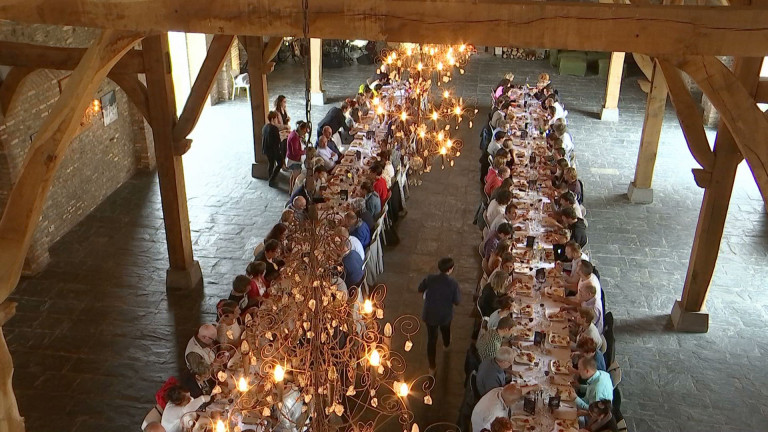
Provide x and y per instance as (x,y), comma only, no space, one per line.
(762,91)
(49,57)
(651,29)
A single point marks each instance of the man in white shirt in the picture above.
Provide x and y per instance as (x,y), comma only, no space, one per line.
(497,403)
(179,403)
(496,142)
(330,159)
(510,216)
(497,206)
(353,242)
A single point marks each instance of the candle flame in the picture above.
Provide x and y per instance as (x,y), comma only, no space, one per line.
(279,373)
(375,358)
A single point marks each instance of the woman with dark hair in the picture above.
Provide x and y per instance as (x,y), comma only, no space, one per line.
(277,233)
(295,150)
(600,417)
(281,109)
(180,402)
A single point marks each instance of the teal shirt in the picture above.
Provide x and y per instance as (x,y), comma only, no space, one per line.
(599,387)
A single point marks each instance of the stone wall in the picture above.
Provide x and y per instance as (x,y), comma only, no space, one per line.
(98,161)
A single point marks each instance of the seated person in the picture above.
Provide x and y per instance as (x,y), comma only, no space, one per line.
(277,232)
(299,207)
(357,228)
(586,348)
(578,230)
(491,373)
(380,184)
(497,403)
(309,189)
(505,304)
(229,330)
(200,353)
(488,343)
(269,256)
(601,417)
(507,184)
(586,298)
(495,180)
(504,232)
(598,385)
(568,200)
(510,216)
(498,206)
(180,402)
(358,206)
(240,287)
(493,262)
(330,158)
(489,294)
(256,272)
(571,180)
(353,267)
(352,241)
(572,263)
(197,382)
(372,199)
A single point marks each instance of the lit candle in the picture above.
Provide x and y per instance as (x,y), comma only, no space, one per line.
(367,307)
(402,389)
(220,427)
(279,375)
(375,358)
(242,385)
(387,334)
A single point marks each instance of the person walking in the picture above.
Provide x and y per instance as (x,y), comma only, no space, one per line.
(441,294)
(270,146)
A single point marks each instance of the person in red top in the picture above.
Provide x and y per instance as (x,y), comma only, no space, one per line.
(258,291)
(380,184)
(295,150)
(494,181)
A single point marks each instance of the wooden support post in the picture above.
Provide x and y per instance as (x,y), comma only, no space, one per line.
(613,88)
(689,314)
(201,88)
(184,271)
(257,73)
(640,189)
(316,92)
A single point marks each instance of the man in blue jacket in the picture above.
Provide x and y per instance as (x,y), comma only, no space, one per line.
(441,294)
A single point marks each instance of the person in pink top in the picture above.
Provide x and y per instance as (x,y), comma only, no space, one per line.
(295,150)
(495,181)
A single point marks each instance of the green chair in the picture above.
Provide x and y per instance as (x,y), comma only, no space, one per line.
(602,67)
(553,58)
(573,63)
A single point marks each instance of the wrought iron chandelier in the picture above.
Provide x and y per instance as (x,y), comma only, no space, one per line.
(427,108)
(316,355)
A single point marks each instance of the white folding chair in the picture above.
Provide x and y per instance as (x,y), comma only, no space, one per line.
(240,81)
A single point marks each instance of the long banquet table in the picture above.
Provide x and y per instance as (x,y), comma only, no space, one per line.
(541,330)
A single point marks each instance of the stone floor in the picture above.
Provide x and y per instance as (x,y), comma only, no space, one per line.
(96,333)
